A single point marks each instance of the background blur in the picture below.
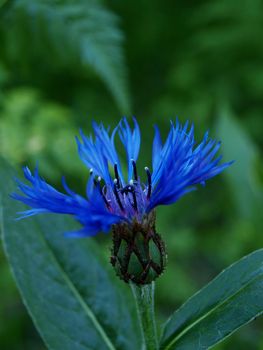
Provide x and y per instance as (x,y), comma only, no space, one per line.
(64,63)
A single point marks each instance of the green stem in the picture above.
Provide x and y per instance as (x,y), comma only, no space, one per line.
(144,298)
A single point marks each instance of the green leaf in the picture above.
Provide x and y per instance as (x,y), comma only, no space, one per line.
(73,300)
(77,36)
(231,300)
(247,191)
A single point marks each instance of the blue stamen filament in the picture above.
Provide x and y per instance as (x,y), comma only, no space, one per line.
(116,192)
(117,176)
(149,177)
(135,206)
(129,191)
(97,184)
(134,170)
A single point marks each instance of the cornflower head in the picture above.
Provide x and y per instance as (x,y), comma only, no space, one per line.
(126,203)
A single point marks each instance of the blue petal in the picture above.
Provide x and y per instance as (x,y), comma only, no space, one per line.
(42,197)
(161,159)
(93,156)
(131,141)
(156,148)
(107,145)
(182,164)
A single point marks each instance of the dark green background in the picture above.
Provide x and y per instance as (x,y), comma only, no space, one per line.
(198,60)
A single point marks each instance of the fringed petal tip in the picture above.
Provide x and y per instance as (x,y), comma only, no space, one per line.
(181,163)
(28,213)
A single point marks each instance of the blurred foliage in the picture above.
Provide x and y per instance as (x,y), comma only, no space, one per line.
(62,65)
(77,38)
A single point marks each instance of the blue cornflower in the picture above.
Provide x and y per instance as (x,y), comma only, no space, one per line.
(127,203)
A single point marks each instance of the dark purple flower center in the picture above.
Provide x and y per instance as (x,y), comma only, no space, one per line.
(129,200)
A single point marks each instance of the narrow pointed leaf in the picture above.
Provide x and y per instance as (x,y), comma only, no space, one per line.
(73,300)
(232,299)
